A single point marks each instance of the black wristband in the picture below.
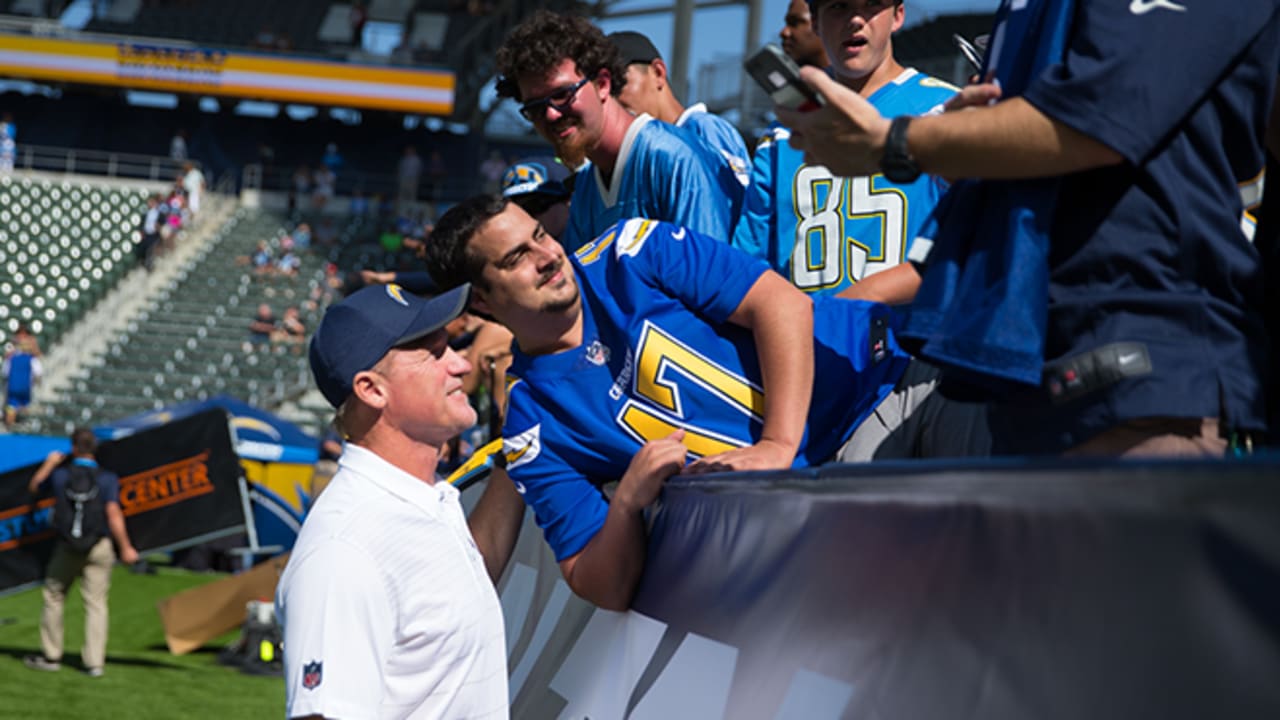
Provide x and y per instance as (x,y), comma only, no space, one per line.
(897,163)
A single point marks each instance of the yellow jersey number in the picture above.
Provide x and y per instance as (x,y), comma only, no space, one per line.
(663,364)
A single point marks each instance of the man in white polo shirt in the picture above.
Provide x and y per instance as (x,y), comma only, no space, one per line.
(387,607)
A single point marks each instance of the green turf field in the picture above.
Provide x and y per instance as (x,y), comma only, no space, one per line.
(142,679)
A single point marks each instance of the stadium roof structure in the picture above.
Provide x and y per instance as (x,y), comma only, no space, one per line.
(474,39)
(467,34)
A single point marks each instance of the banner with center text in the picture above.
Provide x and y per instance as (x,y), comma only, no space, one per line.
(915,591)
(179,484)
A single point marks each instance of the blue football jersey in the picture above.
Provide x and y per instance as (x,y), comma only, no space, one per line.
(825,233)
(662,174)
(658,354)
(1148,255)
(720,135)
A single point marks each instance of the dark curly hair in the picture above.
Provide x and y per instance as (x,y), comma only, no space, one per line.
(542,41)
(449,261)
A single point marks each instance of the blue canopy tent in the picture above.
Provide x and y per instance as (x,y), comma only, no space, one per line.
(18,451)
(278,458)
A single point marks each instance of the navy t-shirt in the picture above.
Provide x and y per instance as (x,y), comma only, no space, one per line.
(1152,250)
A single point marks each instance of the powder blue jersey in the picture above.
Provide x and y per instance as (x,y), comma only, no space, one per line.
(721,136)
(658,354)
(20,371)
(825,233)
(662,173)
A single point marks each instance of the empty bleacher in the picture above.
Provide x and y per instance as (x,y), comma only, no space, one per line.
(188,341)
(63,245)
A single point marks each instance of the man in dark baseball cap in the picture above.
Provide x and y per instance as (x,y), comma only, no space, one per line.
(388,579)
(358,332)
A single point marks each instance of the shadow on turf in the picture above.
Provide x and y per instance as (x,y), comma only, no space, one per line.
(17,653)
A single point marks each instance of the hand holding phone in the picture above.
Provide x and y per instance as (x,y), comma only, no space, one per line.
(779,75)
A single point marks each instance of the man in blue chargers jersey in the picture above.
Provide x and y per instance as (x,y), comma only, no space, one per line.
(629,363)
(648,90)
(567,76)
(825,233)
(1147,118)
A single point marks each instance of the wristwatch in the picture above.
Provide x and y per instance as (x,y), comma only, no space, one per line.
(897,163)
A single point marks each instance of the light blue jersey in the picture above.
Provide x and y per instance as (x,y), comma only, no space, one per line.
(825,233)
(721,136)
(662,174)
(657,354)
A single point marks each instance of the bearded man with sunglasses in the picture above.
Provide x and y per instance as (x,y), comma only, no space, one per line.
(568,75)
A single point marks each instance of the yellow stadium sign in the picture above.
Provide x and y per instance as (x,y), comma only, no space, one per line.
(211,71)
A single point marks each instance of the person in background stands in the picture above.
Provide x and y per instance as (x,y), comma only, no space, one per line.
(22,370)
(193,182)
(408,174)
(261,328)
(8,142)
(178,146)
(152,220)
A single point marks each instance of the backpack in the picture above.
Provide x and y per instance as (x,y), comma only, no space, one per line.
(79,513)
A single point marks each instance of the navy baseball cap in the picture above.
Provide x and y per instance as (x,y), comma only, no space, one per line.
(536,175)
(815,4)
(357,332)
(634,47)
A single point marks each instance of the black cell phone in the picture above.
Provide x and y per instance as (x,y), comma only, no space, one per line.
(779,75)
(969,51)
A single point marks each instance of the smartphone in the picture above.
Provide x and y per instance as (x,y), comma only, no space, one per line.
(969,51)
(779,75)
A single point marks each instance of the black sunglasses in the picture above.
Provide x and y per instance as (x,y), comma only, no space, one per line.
(560,100)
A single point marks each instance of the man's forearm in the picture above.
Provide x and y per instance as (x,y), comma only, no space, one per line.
(115,523)
(780,318)
(42,473)
(896,286)
(1009,140)
(495,522)
(607,571)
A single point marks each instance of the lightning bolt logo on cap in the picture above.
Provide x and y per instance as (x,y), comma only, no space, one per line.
(396,293)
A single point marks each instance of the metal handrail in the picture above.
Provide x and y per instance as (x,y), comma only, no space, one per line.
(97,162)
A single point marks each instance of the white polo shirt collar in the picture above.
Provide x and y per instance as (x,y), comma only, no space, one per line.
(368,465)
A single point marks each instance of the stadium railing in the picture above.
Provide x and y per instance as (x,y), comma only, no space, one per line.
(97,162)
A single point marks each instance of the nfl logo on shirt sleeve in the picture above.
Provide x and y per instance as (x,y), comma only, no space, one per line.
(311,674)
